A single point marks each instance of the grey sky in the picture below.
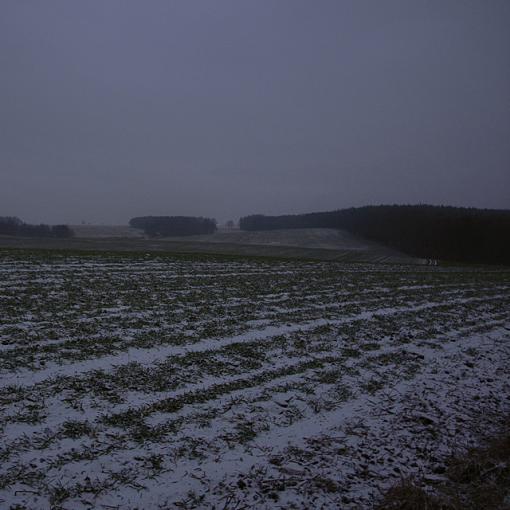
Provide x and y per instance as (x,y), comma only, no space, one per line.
(112,109)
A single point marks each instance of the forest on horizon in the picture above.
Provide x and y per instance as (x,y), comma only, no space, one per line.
(458,234)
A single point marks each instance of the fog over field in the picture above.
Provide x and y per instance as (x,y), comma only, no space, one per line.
(115,109)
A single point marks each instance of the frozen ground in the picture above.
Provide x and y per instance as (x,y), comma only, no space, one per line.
(150,381)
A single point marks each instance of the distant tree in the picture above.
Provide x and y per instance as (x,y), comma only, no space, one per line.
(12,226)
(41,230)
(230,224)
(9,225)
(174,225)
(61,231)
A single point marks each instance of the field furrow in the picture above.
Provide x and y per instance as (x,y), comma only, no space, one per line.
(151,381)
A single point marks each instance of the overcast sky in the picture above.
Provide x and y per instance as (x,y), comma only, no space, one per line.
(112,109)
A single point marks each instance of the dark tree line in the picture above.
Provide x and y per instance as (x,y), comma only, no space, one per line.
(448,233)
(12,226)
(174,225)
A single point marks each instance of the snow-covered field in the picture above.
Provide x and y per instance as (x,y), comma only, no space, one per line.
(151,381)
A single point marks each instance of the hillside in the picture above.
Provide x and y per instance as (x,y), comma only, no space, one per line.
(323,238)
(105,231)
(320,243)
